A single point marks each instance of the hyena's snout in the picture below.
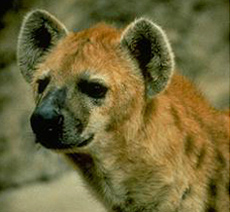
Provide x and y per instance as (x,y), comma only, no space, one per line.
(51,127)
(46,123)
(47,120)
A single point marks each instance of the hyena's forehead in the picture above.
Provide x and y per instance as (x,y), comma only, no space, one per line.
(92,50)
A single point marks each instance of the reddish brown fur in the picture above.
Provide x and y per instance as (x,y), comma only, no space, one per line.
(137,162)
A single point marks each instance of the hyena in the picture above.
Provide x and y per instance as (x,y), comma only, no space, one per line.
(142,137)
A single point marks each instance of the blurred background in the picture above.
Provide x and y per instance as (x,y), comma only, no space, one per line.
(33,179)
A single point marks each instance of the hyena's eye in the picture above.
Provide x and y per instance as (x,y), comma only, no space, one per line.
(42,84)
(92,89)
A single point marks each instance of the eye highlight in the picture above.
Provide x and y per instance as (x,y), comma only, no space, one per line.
(42,84)
(92,89)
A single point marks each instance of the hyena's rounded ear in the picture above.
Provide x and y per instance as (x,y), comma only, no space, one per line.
(148,45)
(39,32)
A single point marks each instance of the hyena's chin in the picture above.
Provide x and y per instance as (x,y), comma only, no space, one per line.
(58,143)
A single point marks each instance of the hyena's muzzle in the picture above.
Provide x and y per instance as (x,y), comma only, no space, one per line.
(47,119)
(48,123)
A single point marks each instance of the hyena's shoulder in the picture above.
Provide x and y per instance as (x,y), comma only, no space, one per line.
(205,135)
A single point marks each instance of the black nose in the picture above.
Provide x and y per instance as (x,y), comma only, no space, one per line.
(46,123)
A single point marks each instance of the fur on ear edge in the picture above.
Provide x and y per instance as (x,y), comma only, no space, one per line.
(39,32)
(148,45)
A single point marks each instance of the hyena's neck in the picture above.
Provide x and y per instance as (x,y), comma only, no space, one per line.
(93,175)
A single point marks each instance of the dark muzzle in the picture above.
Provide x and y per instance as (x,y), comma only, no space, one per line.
(47,121)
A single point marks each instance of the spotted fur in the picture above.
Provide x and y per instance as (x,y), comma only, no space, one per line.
(143,138)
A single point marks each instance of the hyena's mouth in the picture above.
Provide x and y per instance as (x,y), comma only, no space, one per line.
(85,142)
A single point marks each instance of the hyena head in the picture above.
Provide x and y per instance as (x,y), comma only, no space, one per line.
(93,86)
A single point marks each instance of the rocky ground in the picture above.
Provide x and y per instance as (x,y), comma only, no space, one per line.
(36,180)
